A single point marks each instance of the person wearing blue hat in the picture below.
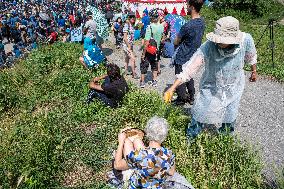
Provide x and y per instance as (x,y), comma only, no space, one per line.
(145,22)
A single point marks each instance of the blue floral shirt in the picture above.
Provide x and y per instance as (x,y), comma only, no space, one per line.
(151,166)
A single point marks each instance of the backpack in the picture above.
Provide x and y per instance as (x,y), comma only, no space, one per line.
(168,50)
(152,47)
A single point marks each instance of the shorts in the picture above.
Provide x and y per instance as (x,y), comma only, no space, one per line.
(149,60)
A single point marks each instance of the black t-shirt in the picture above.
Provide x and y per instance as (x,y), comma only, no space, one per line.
(116,89)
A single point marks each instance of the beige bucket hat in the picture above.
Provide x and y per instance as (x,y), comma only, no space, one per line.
(227,31)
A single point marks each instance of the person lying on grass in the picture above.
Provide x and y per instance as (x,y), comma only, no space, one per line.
(112,90)
(223,56)
(153,163)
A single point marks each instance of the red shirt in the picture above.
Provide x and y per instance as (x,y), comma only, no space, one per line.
(53,36)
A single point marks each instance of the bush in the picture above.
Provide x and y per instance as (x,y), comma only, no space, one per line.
(49,137)
(257,8)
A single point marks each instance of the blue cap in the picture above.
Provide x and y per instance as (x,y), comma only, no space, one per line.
(145,11)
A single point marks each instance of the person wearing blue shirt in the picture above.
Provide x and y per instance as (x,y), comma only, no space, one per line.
(92,55)
(24,22)
(188,41)
(146,22)
(16,51)
(61,22)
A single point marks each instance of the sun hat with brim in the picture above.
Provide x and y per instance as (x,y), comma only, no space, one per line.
(227,31)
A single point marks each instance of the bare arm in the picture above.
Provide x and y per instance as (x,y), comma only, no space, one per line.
(253,76)
(126,40)
(172,170)
(94,83)
(145,48)
(96,86)
(97,79)
(189,70)
(119,162)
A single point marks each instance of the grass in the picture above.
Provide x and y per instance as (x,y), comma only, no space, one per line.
(49,138)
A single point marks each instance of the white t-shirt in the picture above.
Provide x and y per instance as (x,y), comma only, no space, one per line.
(91,26)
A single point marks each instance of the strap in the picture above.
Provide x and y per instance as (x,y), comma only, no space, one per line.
(151,32)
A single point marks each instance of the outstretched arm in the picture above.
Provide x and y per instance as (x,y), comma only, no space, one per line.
(189,70)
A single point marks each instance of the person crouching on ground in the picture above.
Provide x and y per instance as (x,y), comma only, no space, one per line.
(223,56)
(113,89)
(153,163)
(92,55)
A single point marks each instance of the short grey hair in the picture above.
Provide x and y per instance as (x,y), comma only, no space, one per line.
(157,129)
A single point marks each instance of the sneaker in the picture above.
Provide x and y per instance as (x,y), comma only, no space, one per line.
(142,85)
(190,101)
(155,83)
(179,103)
(135,77)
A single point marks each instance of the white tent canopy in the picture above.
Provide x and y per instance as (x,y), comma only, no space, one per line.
(141,5)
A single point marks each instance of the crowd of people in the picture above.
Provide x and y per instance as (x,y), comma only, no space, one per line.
(222,56)
(26,24)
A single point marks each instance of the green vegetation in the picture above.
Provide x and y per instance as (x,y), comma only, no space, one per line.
(50,138)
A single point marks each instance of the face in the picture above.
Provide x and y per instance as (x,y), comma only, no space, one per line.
(223,46)
(132,20)
(119,20)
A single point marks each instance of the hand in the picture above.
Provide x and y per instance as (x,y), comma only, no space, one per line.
(168,95)
(121,137)
(96,80)
(253,77)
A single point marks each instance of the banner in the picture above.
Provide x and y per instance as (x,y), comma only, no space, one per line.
(77,34)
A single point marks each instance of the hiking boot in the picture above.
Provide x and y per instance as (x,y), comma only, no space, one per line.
(155,83)
(142,85)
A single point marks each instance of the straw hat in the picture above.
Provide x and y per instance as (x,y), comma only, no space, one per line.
(227,31)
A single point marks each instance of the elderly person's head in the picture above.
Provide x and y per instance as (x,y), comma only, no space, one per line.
(226,33)
(157,129)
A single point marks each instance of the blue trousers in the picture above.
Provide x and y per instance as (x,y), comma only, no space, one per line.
(101,96)
(196,128)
